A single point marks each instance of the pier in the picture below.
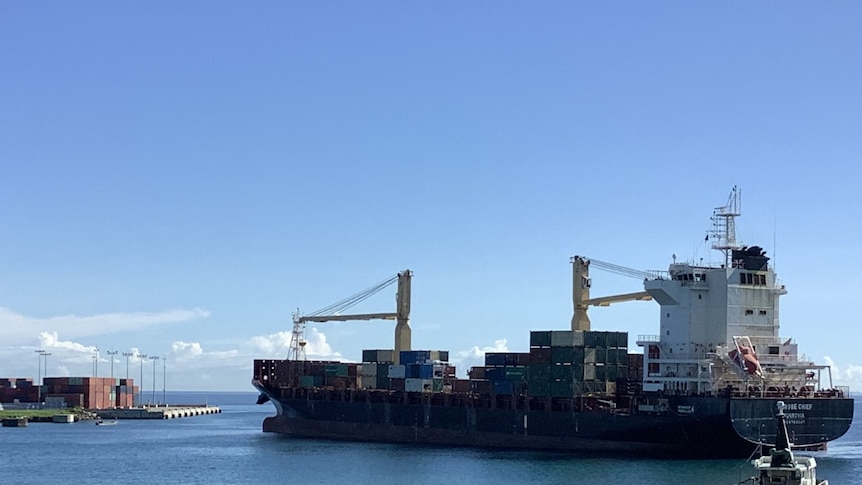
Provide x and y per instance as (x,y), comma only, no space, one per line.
(159,411)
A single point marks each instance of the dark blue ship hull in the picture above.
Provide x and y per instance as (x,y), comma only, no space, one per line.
(674,426)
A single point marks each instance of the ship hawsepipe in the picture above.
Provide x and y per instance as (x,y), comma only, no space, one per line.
(682,426)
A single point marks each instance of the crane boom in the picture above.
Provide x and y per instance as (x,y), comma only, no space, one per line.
(403,332)
(344,318)
(607,300)
(581,284)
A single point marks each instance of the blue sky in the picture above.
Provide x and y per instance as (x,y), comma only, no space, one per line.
(178,178)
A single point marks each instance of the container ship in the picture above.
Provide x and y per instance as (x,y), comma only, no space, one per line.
(706,385)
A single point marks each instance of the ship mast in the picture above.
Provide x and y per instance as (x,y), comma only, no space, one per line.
(297,339)
(723,231)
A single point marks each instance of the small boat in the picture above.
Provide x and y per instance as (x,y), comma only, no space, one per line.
(106,423)
(781,466)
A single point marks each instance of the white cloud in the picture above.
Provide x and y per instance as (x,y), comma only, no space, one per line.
(476,352)
(318,348)
(277,346)
(21,328)
(185,350)
(849,375)
(270,345)
(464,359)
(51,340)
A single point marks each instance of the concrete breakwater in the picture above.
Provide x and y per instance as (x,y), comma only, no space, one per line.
(159,412)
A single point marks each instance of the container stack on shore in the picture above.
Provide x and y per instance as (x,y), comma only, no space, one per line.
(91,392)
(85,392)
(19,389)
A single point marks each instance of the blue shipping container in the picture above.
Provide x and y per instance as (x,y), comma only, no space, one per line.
(503,387)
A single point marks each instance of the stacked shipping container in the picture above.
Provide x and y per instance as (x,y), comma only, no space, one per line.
(86,392)
(18,388)
(418,371)
(565,363)
(560,364)
(92,392)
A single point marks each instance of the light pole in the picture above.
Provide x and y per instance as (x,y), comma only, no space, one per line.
(95,362)
(112,353)
(127,355)
(39,381)
(141,385)
(40,352)
(154,358)
(164,385)
(45,365)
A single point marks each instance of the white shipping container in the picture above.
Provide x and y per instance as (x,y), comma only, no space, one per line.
(418,385)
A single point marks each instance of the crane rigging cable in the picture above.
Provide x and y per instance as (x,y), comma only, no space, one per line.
(620,270)
(351,301)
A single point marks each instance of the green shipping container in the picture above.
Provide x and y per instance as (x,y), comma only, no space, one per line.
(591,372)
(308,382)
(595,339)
(518,373)
(539,388)
(562,338)
(381,382)
(562,389)
(562,372)
(539,372)
(540,338)
(560,355)
(437,385)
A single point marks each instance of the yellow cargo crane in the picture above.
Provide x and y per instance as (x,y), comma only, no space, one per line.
(332,313)
(581,288)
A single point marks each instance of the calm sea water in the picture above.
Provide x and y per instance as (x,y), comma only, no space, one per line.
(230,448)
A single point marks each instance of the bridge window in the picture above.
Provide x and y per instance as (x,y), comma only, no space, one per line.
(752,279)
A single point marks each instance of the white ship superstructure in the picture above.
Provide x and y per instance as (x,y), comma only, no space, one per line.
(719,330)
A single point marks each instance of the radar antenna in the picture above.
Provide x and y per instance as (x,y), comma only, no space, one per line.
(723,218)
